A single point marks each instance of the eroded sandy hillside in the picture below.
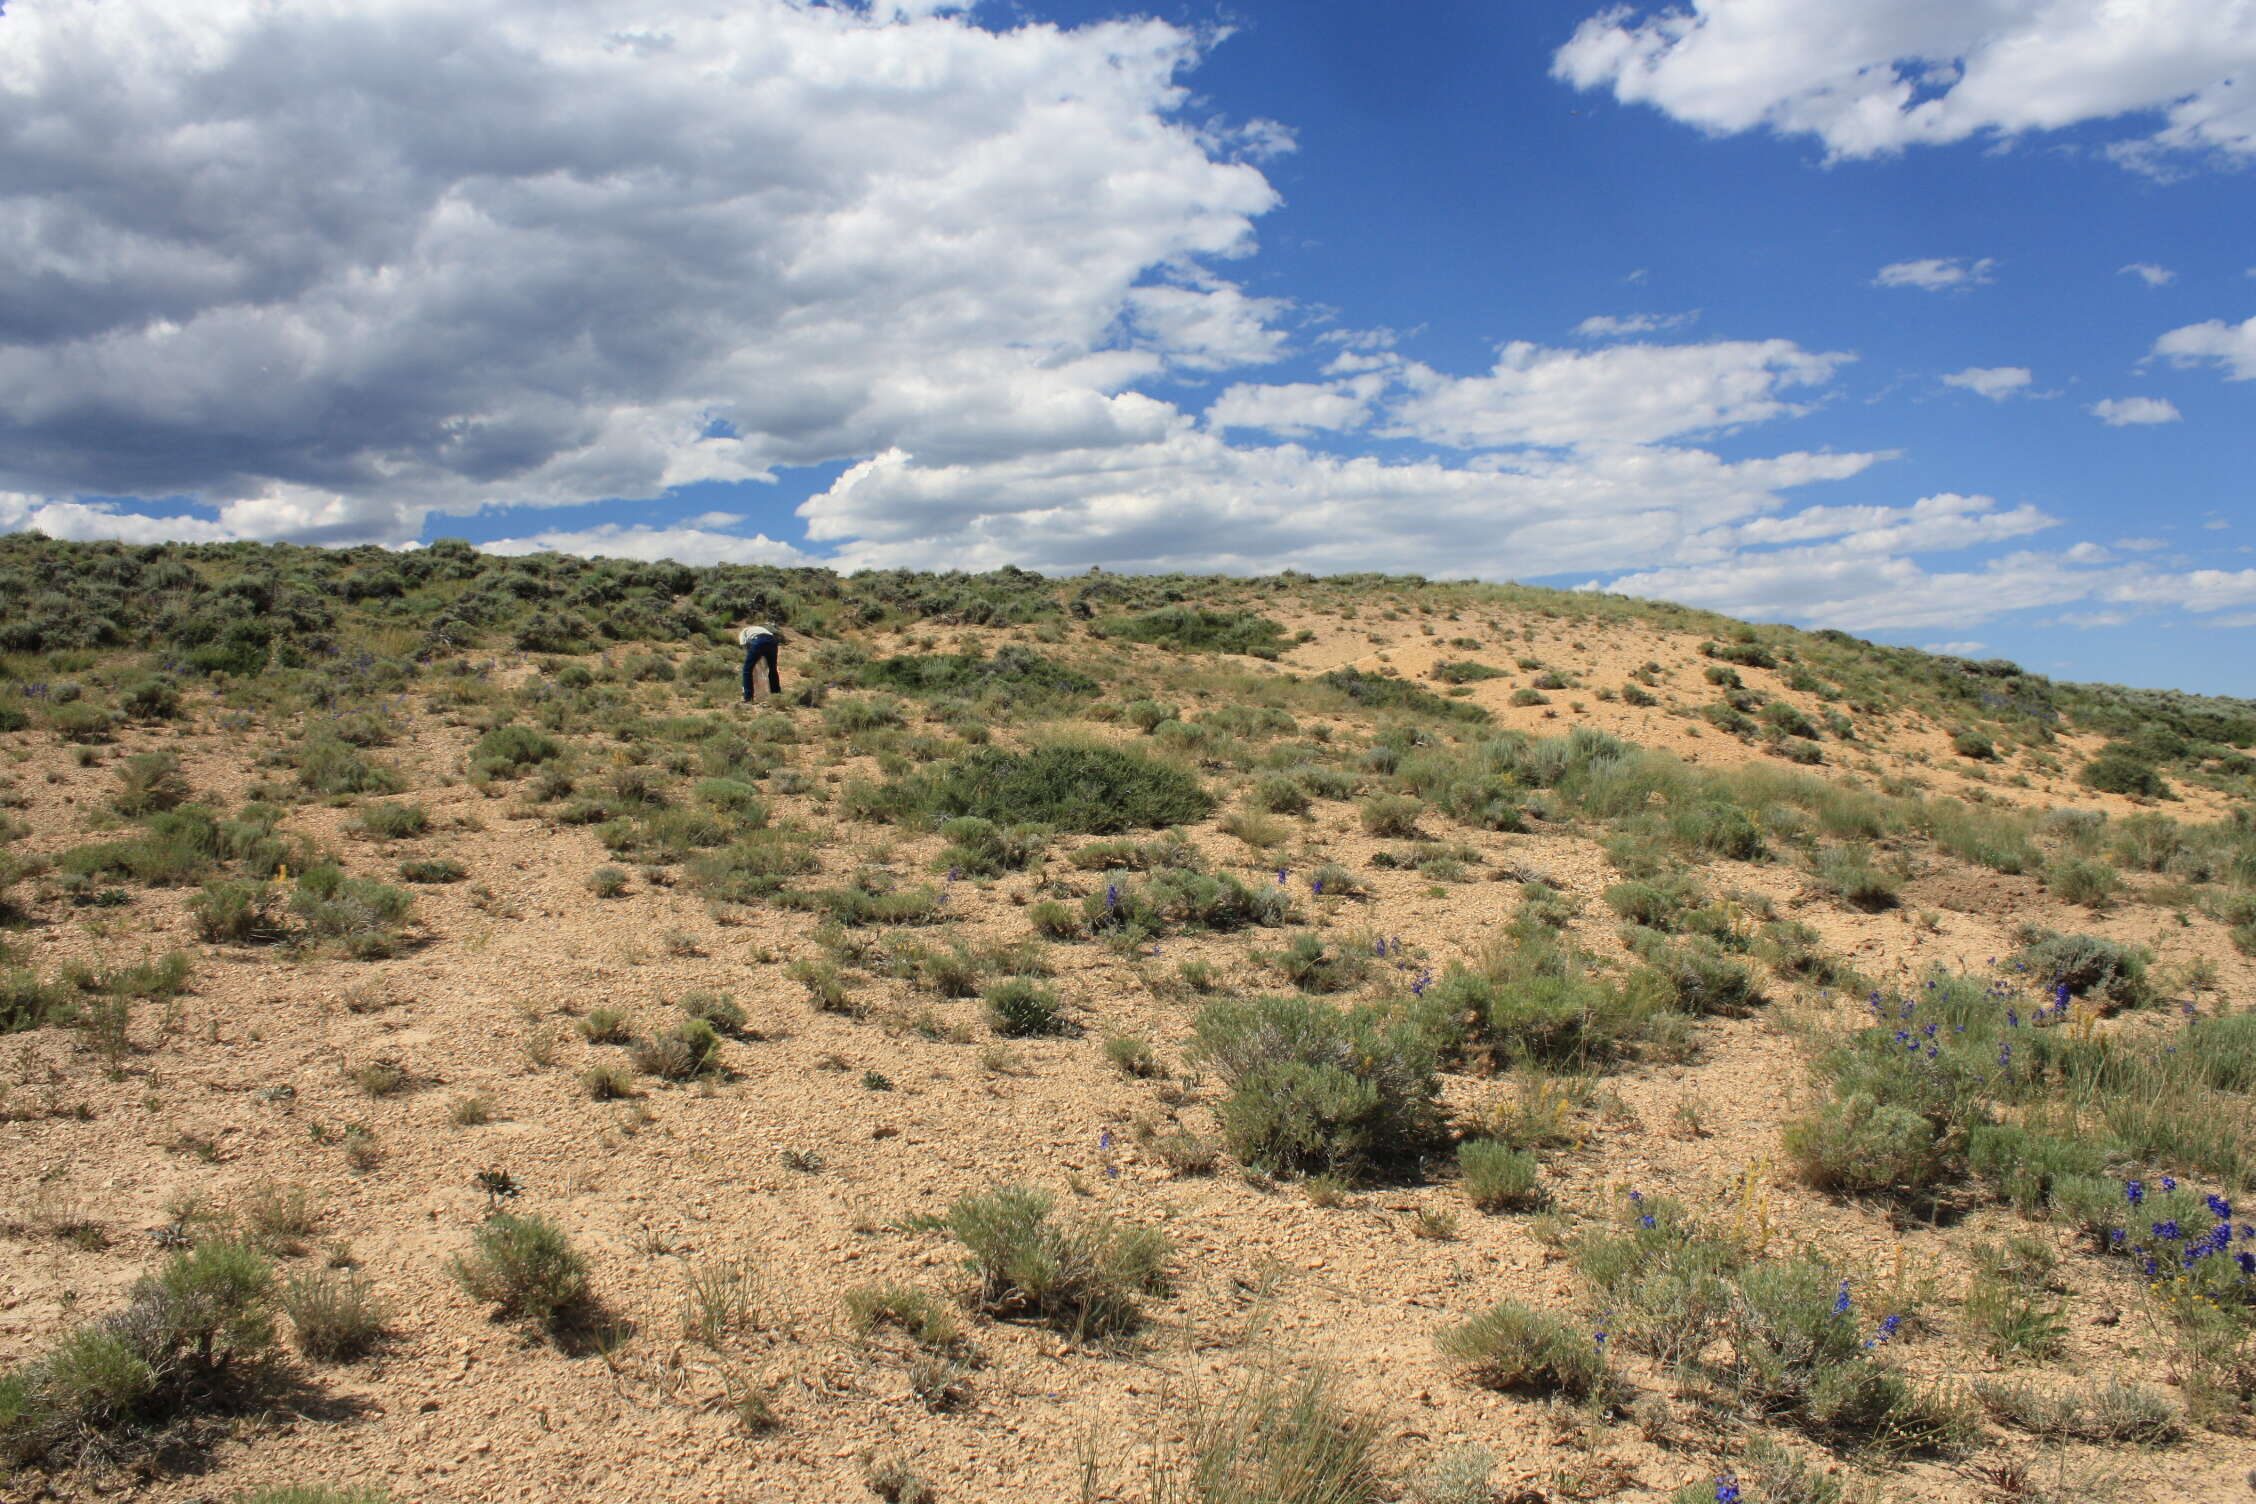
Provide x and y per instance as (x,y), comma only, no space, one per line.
(337,1109)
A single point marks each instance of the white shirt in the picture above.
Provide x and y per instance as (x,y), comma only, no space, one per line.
(744,637)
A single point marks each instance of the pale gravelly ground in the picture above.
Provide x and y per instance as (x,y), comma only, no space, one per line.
(458,1409)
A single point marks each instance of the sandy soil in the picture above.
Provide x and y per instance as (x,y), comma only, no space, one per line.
(458,1408)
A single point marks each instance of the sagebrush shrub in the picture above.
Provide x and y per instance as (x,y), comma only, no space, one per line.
(362,917)
(1082,1277)
(1019,1007)
(1497,1177)
(526,1267)
(1513,1346)
(1315,1088)
(334,1312)
(1857,1145)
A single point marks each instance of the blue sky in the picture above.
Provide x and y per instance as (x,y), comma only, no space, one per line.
(1937,324)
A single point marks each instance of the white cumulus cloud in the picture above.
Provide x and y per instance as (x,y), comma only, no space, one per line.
(1869,77)
(330,267)
(1613,326)
(1624,394)
(1936,273)
(1994,382)
(2232,346)
(2149,273)
(1296,407)
(2122,412)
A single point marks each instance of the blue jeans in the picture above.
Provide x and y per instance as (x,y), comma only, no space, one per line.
(754,651)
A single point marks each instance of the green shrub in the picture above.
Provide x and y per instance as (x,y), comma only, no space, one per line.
(26,1002)
(929,1322)
(1272,1440)
(1378,692)
(1545,1007)
(359,915)
(1796,1348)
(335,1314)
(1148,715)
(2013,1322)
(2082,880)
(1515,1347)
(1015,674)
(511,751)
(1277,794)
(149,782)
(2120,770)
(608,882)
(1082,1277)
(1180,897)
(1497,1176)
(392,822)
(982,848)
(433,869)
(1318,1089)
(2086,965)
(1193,630)
(526,1267)
(1019,1008)
(2100,1411)
(715,1008)
(1975,745)
(87,725)
(237,911)
(1856,1145)
(1989,838)
(1312,965)
(1391,816)
(1465,671)
(1526,698)
(1700,979)
(1054,920)
(150,698)
(605,1082)
(689,1049)
(1133,1057)
(757,865)
(1091,789)
(332,767)
(1849,873)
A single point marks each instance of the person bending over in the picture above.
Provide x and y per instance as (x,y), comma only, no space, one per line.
(760,643)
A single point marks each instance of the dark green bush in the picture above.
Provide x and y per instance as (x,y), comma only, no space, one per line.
(510,751)
(1192,630)
(1019,1007)
(2120,770)
(1378,692)
(149,782)
(433,869)
(237,911)
(334,1313)
(1090,789)
(329,766)
(2086,964)
(1014,674)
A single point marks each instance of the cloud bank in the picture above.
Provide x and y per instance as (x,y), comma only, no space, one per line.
(1871,77)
